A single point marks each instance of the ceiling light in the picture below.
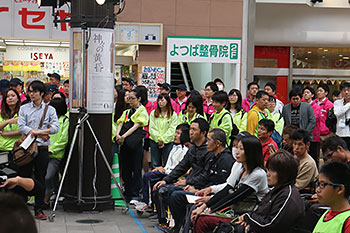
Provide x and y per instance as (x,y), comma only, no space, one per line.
(345,57)
(306,58)
(309,52)
(100,2)
(340,55)
(325,50)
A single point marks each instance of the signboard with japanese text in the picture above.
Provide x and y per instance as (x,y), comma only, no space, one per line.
(203,49)
(24,19)
(150,77)
(100,66)
(139,33)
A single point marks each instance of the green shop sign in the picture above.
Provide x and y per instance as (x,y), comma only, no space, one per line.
(203,49)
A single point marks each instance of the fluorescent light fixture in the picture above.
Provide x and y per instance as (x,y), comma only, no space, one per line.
(345,57)
(325,50)
(340,55)
(309,52)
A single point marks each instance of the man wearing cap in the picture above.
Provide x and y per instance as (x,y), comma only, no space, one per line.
(18,85)
(49,90)
(128,84)
(55,80)
(180,101)
(164,88)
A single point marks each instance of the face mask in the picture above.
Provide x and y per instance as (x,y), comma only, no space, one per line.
(234,151)
(220,87)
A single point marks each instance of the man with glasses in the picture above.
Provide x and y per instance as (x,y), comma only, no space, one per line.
(334,190)
(335,149)
(342,112)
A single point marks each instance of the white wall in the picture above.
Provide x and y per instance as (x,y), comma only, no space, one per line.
(201,73)
(301,25)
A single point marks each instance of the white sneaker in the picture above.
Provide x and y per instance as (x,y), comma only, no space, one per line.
(133,202)
(140,206)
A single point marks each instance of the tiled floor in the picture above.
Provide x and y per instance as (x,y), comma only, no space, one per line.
(114,221)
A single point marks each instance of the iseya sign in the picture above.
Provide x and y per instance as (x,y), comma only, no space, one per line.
(42,54)
(24,19)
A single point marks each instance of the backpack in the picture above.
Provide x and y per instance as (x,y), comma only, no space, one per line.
(234,130)
(331,121)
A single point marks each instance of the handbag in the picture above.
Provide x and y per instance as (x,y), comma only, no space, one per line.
(23,156)
(136,137)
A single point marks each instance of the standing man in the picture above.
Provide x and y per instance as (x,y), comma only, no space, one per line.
(18,85)
(55,80)
(270,88)
(298,113)
(180,101)
(128,84)
(249,102)
(325,104)
(259,111)
(29,118)
(307,171)
(342,112)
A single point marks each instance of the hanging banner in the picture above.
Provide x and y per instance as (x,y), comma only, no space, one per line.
(203,49)
(150,77)
(100,80)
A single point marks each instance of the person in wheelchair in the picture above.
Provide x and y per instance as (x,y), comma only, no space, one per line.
(282,206)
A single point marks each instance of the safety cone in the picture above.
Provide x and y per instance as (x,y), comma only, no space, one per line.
(114,190)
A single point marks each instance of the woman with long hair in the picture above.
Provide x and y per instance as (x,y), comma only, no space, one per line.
(235,107)
(193,110)
(162,125)
(9,133)
(129,136)
(244,188)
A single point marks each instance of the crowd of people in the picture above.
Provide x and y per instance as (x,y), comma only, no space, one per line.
(209,159)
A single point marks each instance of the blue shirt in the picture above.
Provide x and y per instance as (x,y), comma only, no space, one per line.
(29,118)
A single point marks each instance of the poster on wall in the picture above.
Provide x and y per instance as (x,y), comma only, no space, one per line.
(150,77)
(100,83)
(77,72)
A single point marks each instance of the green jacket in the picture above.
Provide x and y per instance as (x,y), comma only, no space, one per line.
(226,123)
(140,116)
(238,119)
(184,118)
(333,225)
(162,128)
(279,122)
(6,143)
(59,140)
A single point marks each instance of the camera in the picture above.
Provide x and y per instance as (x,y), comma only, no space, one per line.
(5,171)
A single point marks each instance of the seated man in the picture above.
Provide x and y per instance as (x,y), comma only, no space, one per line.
(265,130)
(287,142)
(334,190)
(307,171)
(218,168)
(335,149)
(180,148)
(195,158)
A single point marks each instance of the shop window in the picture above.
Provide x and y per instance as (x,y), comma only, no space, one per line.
(321,58)
(265,63)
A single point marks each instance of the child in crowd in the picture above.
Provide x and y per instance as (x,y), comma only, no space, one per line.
(334,190)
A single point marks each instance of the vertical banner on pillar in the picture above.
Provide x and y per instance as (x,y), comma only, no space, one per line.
(76,73)
(100,71)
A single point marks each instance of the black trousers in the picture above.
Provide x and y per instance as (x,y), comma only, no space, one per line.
(39,164)
(314,151)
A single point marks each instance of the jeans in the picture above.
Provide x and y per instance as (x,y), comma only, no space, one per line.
(40,167)
(51,174)
(149,179)
(159,157)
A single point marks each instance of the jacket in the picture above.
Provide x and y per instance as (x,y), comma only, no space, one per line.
(219,167)
(195,158)
(208,108)
(253,118)
(342,112)
(59,140)
(325,106)
(277,212)
(238,120)
(246,104)
(225,124)
(317,129)
(184,118)
(162,128)
(179,107)
(307,119)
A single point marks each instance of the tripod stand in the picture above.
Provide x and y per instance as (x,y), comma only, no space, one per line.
(79,126)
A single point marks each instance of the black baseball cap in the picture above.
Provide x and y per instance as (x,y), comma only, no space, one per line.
(182,87)
(55,75)
(166,86)
(129,80)
(4,85)
(50,88)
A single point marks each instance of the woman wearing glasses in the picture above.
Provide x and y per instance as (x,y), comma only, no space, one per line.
(130,136)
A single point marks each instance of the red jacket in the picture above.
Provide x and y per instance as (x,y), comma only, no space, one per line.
(265,148)
(179,107)
(325,106)
(208,109)
(246,105)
